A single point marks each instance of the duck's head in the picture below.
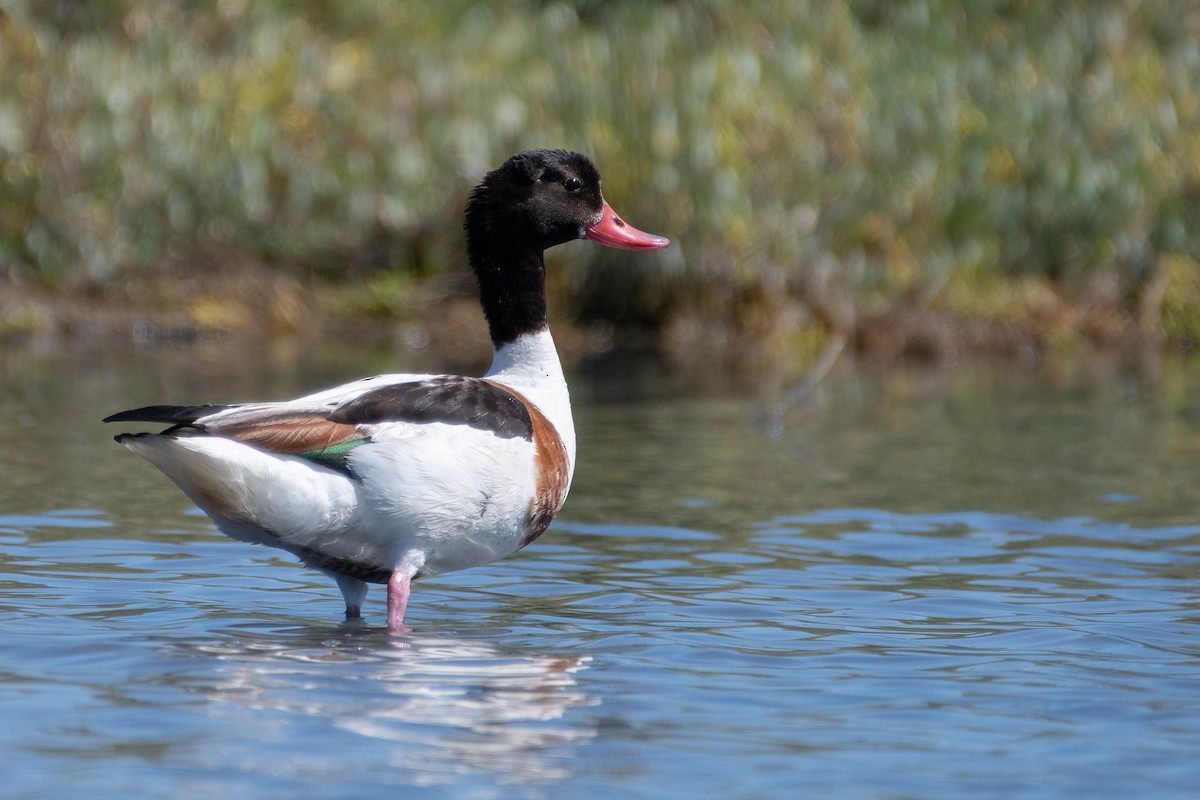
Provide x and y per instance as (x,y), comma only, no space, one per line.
(533,201)
(541,198)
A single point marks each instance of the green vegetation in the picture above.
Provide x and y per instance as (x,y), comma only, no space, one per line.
(821,166)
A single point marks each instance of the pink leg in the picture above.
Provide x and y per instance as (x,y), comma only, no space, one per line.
(397,599)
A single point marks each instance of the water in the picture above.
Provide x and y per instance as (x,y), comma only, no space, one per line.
(914,584)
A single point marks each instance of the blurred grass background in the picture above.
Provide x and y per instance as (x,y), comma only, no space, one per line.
(923,176)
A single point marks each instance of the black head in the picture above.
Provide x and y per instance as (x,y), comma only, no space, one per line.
(533,201)
(538,198)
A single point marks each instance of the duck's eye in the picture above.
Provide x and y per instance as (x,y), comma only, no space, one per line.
(572,184)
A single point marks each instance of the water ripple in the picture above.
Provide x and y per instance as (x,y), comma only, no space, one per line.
(806,652)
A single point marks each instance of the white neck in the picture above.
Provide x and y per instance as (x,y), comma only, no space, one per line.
(530,365)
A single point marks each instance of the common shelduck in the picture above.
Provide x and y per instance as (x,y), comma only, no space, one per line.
(398,477)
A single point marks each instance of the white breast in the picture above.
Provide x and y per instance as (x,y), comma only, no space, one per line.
(531,366)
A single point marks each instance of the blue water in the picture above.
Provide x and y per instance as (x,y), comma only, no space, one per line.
(981,583)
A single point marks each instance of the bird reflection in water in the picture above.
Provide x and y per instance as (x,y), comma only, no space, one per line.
(444,706)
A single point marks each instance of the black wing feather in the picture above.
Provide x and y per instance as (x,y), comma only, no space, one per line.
(176,415)
(454,400)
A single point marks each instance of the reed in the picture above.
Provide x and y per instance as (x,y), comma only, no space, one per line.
(844,156)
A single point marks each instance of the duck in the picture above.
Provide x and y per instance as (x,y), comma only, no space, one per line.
(398,477)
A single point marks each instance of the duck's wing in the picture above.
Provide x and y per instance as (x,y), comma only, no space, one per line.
(323,427)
